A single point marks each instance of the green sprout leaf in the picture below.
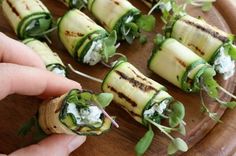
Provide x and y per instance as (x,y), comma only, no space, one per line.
(177,114)
(144,142)
(146,22)
(232,51)
(73,97)
(32,126)
(104,99)
(230,105)
(143,39)
(206,6)
(209,83)
(172,149)
(182,129)
(159,39)
(180,144)
(109,45)
(27,127)
(177,144)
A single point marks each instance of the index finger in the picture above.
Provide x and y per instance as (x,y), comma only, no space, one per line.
(12,51)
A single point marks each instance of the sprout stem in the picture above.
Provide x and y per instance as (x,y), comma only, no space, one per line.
(84,75)
(227,92)
(160,128)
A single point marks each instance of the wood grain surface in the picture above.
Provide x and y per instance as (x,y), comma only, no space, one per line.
(204,136)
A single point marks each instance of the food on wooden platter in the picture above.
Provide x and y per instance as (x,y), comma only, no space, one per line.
(79,4)
(86,41)
(28,18)
(212,44)
(120,16)
(147,102)
(76,112)
(51,60)
(180,66)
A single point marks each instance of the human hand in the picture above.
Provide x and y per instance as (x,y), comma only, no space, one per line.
(23,72)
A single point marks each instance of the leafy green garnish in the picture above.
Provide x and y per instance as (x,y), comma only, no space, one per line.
(104,99)
(209,83)
(177,144)
(32,126)
(146,22)
(130,31)
(38,27)
(206,6)
(143,39)
(144,142)
(231,104)
(159,39)
(177,114)
(109,47)
(232,51)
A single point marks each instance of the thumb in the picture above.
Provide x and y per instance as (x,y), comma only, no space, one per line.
(55,145)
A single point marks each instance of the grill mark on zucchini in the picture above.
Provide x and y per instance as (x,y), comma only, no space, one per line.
(13,9)
(117,3)
(144,79)
(181,62)
(73,34)
(122,96)
(136,83)
(197,49)
(209,31)
(40,5)
(132,113)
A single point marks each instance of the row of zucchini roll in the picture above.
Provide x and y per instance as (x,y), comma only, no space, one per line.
(180,58)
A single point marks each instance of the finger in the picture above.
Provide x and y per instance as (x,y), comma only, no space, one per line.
(55,145)
(26,80)
(12,51)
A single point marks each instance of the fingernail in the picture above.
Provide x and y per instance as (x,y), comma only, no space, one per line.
(76,142)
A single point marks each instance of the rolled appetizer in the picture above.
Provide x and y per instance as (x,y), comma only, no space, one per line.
(213,45)
(28,18)
(145,100)
(118,15)
(86,41)
(185,69)
(76,112)
(51,60)
(178,64)
(75,3)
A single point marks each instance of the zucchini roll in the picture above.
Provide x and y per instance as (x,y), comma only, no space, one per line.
(178,65)
(51,60)
(28,18)
(118,15)
(146,101)
(133,91)
(75,112)
(86,41)
(79,4)
(213,45)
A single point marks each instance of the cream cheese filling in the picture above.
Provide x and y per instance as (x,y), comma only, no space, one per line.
(224,65)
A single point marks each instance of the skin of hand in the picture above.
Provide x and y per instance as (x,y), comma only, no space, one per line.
(23,72)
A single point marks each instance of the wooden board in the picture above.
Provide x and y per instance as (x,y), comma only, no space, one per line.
(203,135)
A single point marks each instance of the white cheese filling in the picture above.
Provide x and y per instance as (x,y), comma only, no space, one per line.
(158,107)
(93,55)
(90,115)
(224,64)
(59,71)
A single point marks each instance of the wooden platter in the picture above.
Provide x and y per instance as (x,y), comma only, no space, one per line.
(204,136)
